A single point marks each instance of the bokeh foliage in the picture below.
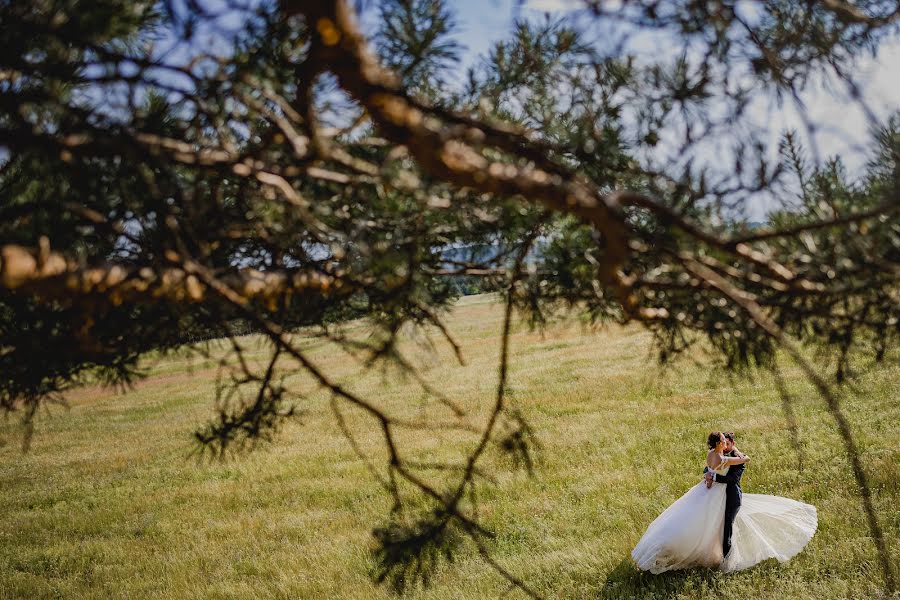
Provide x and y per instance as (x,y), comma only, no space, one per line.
(184,170)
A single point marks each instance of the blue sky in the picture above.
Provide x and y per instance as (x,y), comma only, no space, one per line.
(844,122)
(487,21)
(484,22)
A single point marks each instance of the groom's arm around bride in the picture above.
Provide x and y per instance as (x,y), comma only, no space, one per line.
(733,476)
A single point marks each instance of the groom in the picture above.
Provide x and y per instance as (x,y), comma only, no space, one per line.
(733,492)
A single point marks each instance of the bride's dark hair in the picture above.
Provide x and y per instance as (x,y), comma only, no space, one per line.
(714,438)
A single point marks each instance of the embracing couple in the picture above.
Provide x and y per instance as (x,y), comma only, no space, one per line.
(716,525)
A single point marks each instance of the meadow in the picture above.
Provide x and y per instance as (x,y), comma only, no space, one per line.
(110,501)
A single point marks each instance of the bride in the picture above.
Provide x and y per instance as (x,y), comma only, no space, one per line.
(689,532)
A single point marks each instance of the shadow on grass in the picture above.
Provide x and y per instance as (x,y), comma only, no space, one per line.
(626,581)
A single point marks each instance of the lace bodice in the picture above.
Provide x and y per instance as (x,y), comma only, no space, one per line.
(722,470)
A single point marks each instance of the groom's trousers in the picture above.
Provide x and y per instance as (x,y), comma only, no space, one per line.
(733,494)
(732,506)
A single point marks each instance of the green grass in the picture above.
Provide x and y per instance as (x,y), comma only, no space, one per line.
(109,502)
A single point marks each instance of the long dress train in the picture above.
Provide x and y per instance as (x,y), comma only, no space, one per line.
(689,532)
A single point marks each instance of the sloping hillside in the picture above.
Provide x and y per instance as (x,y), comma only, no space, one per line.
(109,502)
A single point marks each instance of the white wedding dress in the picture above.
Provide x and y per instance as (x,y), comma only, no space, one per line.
(689,532)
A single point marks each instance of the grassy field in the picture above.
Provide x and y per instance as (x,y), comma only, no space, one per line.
(109,502)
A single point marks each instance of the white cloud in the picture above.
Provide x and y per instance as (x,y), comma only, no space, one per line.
(554,5)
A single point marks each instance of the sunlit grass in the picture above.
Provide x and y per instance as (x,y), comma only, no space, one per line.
(110,502)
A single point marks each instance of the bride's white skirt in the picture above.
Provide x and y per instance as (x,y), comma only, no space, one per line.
(689,532)
(769,527)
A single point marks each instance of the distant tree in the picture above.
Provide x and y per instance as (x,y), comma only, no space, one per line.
(179,170)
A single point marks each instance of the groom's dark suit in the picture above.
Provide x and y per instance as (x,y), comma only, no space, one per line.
(733,495)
